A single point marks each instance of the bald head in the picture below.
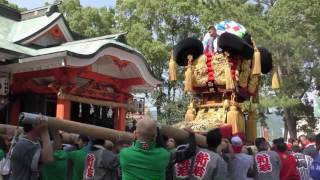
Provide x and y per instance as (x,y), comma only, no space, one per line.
(146,130)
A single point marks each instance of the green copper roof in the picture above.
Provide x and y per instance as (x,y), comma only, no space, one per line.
(33,26)
(7,26)
(14,31)
(16,49)
(18,29)
(86,47)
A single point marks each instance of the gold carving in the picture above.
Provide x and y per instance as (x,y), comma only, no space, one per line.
(245,73)
(206,119)
(219,62)
(200,73)
(253,83)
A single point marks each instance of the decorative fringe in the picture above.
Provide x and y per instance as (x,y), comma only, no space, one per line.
(256,67)
(100,113)
(188,75)
(233,117)
(275,80)
(172,69)
(91,109)
(251,126)
(109,113)
(190,114)
(80,110)
(129,107)
(228,75)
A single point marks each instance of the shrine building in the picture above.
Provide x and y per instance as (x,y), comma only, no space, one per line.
(46,68)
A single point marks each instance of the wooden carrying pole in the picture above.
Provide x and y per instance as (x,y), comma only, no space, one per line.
(7,129)
(182,134)
(106,133)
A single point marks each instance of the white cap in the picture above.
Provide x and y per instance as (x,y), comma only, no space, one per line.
(236,141)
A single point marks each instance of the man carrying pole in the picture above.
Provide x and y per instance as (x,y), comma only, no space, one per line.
(143,160)
(27,153)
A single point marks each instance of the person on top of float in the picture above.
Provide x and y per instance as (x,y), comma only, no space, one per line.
(211,37)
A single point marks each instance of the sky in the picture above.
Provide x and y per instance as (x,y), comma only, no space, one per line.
(31,4)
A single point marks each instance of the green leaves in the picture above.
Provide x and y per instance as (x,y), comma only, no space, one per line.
(289,29)
(278,102)
(14,6)
(88,21)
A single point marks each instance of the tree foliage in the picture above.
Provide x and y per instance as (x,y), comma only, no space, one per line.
(289,29)
(88,21)
(295,47)
(154,27)
(11,5)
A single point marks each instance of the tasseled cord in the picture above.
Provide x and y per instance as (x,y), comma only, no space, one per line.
(172,69)
(256,66)
(233,116)
(251,125)
(275,79)
(188,75)
(190,114)
(228,75)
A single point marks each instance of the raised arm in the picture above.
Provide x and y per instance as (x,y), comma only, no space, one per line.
(46,151)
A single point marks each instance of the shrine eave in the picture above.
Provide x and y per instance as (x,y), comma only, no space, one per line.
(24,27)
(38,26)
(89,52)
(13,53)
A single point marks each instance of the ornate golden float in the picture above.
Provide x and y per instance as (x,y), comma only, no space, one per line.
(222,86)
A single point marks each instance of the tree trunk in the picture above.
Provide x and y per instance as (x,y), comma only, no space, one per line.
(169,98)
(291,123)
(169,91)
(174,93)
(285,135)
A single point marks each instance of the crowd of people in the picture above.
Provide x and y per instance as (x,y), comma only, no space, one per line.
(40,154)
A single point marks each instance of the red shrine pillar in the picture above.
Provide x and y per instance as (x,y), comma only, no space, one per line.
(120,118)
(63,109)
(15,109)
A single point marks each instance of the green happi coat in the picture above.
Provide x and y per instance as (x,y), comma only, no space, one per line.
(144,161)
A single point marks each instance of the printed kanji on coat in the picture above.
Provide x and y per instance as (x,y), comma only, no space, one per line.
(200,164)
(183,169)
(90,166)
(263,163)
